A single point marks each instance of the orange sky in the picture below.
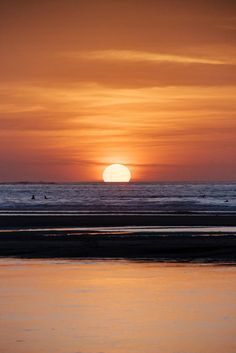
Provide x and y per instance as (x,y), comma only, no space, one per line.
(151,84)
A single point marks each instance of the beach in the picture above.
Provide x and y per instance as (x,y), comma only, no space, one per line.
(119,219)
(160,221)
(116,306)
(171,237)
(162,248)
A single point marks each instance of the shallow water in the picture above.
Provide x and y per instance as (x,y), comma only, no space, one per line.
(116,307)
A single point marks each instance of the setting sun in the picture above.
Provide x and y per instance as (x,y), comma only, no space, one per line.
(116,173)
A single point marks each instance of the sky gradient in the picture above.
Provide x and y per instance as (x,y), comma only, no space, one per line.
(150,84)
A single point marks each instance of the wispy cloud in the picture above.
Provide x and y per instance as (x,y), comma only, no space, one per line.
(143,56)
(82,127)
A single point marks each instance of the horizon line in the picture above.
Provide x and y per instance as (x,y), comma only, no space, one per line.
(130,182)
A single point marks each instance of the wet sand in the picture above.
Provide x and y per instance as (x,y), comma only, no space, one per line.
(112,220)
(202,248)
(90,244)
(116,307)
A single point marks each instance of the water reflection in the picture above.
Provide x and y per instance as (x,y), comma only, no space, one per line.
(116,307)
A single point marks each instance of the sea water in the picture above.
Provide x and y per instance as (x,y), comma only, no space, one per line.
(118,197)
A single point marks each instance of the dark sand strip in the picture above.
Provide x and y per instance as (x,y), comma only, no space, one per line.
(110,220)
(171,248)
(161,248)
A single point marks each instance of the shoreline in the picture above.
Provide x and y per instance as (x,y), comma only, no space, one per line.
(116,220)
(32,236)
(157,247)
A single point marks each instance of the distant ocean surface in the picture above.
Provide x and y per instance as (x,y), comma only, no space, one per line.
(119,198)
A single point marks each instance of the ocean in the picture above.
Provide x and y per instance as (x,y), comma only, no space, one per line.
(118,197)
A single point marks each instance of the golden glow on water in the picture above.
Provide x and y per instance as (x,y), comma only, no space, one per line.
(116,307)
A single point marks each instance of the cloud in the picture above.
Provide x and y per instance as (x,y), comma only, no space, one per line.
(142,56)
(82,127)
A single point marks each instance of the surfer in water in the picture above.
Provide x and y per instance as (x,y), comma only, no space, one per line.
(33,197)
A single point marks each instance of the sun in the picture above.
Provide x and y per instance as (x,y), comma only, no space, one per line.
(116,173)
